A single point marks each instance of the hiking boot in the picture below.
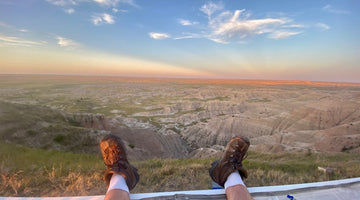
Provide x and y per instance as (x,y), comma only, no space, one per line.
(235,153)
(115,159)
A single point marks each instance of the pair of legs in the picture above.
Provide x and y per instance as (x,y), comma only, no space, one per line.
(228,172)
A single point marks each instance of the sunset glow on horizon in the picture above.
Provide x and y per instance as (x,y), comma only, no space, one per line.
(312,40)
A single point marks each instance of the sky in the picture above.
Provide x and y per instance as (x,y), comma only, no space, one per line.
(231,39)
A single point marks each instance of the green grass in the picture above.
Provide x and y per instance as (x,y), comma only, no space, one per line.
(36,172)
(27,159)
(159,175)
(290,168)
(18,117)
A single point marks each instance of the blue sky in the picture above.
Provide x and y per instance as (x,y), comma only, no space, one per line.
(258,39)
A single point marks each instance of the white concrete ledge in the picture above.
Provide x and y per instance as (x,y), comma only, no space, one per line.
(324,184)
(265,192)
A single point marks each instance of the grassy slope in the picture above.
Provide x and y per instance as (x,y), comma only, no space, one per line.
(23,124)
(36,172)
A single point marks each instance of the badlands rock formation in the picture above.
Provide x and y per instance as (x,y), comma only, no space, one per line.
(178,118)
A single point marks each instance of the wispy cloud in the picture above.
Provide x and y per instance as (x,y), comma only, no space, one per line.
(10,27)
(323,26)
(115,10)
(68,43)
(104,18)
(159,36)
(189,36)
(16,41)
(2,24)
(281,34)
(62,2)
(97,19)
(211,8)
(294,26)
(115,2)
(100,2)
(226,26)
(329,8)
(237,26)
(185,22)
(70,11)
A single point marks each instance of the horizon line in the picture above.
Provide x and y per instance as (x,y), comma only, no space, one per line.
(179,77)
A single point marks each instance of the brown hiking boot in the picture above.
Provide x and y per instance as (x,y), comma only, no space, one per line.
(231,161)
(115,159)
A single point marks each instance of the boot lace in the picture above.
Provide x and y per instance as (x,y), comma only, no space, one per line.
(237,157)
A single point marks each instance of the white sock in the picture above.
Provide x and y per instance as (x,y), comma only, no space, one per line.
(118,182)
(233,179)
